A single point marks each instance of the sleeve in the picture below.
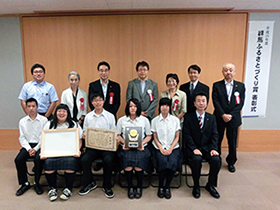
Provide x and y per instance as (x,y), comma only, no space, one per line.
(86,123)
(214,136)
(147,127)
(53,95)
(38,146)
(237,108)
(188,141)
(117,98)
(154,103)
(22,138)
(153,126)
(22,94)
(80,131)
(89,93)
(112,122)
(178,124)
(119,126)
(129,91)
(84,95)
(216,100)
(184,102)
(63,97)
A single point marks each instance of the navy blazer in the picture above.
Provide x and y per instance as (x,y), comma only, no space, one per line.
(113,87)
(190,97)
(194,138)
(221,104)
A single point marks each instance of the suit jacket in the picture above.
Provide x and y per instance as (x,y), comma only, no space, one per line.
(221,104)
(67,98)
(113,87)
(134,91)
(190,97)
(194,138)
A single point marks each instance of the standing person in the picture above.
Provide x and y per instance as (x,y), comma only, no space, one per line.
(41,90)
(167,154)
(178,97)
(134,159)
(228,98)
(200,137)
(75,98)
(193,86)
(30,128)
(98,118)
(62,119)
(109,89)
(144,90)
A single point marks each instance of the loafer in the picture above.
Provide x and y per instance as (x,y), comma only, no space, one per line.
(196,192)
(38,189)
(167,194)
(231,168)
(211,189)
(138,193)
(160,193)
(22,189)
(130,193)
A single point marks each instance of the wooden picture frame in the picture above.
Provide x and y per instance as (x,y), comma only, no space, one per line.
(101,139)
(60,142)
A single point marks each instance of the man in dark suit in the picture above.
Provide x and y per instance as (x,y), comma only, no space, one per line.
(109,89)
(228,98)
(193,86)
(200,139)
(143,89)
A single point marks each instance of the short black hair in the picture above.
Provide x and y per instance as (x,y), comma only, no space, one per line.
(138,105)
(142,63)
(37,65)
(200,93)
(31,100)
(54,121)
(103,63)
(95,95)
(194,67)
(171,75)
(165,101)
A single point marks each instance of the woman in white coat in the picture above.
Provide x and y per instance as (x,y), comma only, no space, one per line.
(75,98)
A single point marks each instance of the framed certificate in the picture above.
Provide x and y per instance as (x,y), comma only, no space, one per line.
(102,139)
(133,137)
(60,142)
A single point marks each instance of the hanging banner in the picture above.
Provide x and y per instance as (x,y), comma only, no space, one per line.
(258,68)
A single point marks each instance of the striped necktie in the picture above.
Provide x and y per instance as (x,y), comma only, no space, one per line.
(200,122)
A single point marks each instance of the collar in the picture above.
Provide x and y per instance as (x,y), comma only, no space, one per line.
(129,120)
(96,115)
(202,116)
(231,83)
(194,83)
(104,84)
(36,118)
(161,117)
(40,84)
(141,80)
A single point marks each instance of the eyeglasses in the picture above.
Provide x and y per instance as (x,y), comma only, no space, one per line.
(38,72)
(104,71)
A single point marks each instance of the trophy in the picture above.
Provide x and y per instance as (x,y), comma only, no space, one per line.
(133,137)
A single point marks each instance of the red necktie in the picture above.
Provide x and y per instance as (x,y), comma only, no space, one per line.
(200,122)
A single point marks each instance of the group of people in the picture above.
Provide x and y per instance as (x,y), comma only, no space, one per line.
(182,118)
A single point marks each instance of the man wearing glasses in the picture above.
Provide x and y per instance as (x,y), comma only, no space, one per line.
(41,90)
(143,89)
(109,89)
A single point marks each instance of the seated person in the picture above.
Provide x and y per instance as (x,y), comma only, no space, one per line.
(200,139)
(98,118)
(30,128)
(137,159)
(62,119)
(167,154)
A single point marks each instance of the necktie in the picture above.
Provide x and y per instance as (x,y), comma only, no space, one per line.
(200,122)
(191,90)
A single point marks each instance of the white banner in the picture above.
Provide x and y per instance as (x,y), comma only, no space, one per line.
(258,68)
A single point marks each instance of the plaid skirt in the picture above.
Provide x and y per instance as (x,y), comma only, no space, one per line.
(173,161)
(135,158)
(61,163)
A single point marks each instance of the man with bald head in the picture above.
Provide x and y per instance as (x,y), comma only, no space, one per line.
(228,98)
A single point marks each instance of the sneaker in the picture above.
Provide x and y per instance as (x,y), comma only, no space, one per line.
(52,194)
(65,194)
(108,192)
(87,189)
(22,189)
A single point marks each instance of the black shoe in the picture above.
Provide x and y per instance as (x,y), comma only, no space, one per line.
(108,192)
(211,189)
(38,189)
(98,166)
(196,192)
(130,193)
(138,193)
(23,189)
(167,194)
(87,189)
(231,168)
(160,192)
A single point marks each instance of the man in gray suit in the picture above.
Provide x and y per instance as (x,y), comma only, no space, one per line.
(143,89)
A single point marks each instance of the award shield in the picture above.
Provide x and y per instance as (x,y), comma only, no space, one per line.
(133,137)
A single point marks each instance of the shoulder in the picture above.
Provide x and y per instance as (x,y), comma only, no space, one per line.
(151,81)
(203,85)
(94,83)
(113,83)
(82,91)
(180,93)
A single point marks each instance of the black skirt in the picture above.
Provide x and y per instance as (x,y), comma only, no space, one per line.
(61,163)
(135,158)
(173,161)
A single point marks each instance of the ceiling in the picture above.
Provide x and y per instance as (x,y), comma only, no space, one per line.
(29,6)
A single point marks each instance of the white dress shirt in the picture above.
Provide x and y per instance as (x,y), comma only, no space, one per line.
(30,131)
(166,130)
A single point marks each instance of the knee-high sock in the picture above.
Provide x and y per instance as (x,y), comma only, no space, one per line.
(129,177)
(161,177)
(69,180)
(51,178)
(139,176)
(169,177)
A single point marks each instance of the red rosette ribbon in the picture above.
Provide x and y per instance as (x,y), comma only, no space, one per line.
(151,97)
(175,105)
(82,107)
(237,98)
(111,98)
